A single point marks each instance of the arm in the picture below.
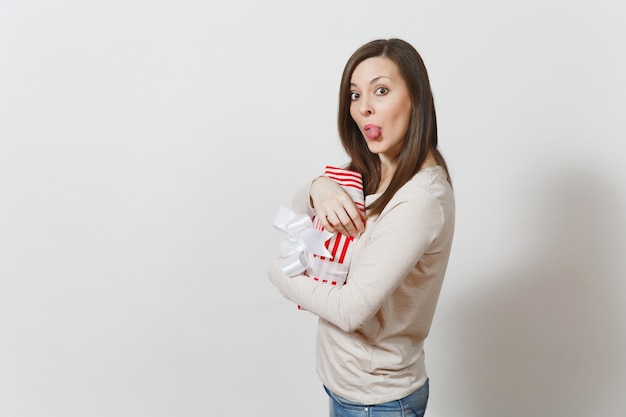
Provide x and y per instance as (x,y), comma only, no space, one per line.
(402,235)
(301,202)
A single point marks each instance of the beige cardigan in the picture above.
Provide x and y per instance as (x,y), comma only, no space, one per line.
(371,332)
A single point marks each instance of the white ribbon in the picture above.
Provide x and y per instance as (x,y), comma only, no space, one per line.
(302,241)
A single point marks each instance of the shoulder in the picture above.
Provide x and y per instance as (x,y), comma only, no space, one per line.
(422,210)
(428,187)
(426,202)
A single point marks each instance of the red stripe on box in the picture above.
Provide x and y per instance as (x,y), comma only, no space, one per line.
(350,185)
(350,176)
(342,170)
(345,249)
(346,178)
(337,241)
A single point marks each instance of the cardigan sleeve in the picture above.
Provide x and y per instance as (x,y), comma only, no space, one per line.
(301,202)
(404,232)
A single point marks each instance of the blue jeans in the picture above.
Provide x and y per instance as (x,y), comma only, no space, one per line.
(413,405)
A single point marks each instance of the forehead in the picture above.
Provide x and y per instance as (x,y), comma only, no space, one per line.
(373,68)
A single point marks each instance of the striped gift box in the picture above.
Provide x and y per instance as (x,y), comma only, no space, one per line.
(334,270)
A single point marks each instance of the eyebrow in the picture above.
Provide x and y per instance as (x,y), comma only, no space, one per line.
(375,79)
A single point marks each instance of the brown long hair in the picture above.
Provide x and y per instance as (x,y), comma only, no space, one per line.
(421,135)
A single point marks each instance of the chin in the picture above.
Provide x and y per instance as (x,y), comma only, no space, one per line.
(375,147)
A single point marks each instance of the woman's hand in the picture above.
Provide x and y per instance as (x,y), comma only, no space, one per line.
(335,208)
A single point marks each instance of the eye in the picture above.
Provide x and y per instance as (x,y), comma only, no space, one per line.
(354,96)
(381,91)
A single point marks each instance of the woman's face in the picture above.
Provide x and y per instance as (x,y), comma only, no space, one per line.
(380,105)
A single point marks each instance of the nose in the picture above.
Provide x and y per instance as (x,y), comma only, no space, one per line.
(365,107)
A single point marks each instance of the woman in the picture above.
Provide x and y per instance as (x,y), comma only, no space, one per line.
(371,332)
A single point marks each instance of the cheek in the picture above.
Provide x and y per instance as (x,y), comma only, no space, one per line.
(407,118)
(404,113)
(353,113)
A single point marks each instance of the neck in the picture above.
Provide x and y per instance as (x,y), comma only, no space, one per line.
(387,169)
(429,161)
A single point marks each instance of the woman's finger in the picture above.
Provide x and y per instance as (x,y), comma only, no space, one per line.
(347,224)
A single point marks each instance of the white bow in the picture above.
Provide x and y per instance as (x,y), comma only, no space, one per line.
(302,243)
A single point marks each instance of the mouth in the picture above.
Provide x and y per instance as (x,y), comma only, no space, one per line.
(372,131)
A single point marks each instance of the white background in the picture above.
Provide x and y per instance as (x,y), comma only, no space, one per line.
(146,146)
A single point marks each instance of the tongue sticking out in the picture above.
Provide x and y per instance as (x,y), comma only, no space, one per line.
(372,132)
